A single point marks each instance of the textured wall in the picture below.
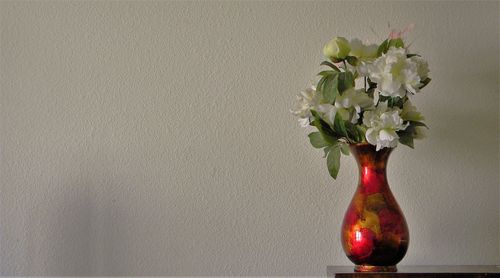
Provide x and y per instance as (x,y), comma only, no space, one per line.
(154,138)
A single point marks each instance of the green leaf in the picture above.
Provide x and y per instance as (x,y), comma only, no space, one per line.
(326,73)
(352,60)
(393,101)
(330,88)
(406,136)
(321,83)
(383,48)
(371,85)
(344,148)
(415,124)
(339,125)
(337,60)
(398,43)
(317,140)
(326,63)
(324,128)
(333,161)
(398,102)
(356,75)
(315,115)
(326,150)
(425,82)
(346,81)
(353,132)
(406,139)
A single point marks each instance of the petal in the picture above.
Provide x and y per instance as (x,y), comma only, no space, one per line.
(304,122)
(371,136)
(387,135)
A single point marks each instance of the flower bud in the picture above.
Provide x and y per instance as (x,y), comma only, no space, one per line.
(337,48)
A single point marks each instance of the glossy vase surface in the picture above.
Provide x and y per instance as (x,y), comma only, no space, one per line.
(374,231)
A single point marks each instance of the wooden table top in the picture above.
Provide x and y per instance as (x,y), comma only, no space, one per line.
(471,271)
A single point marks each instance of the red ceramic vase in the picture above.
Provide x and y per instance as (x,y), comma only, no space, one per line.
(374,231)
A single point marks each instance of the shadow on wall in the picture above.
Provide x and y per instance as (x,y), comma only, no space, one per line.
(92,231)
(81,236)
(69,240)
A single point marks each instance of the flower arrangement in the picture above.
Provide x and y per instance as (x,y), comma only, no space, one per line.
(364,97)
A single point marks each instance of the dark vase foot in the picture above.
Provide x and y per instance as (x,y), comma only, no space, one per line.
(375,268)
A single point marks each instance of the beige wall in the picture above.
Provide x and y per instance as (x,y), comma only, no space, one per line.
(154,138)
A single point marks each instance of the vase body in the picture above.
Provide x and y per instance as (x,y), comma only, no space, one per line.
(374,231)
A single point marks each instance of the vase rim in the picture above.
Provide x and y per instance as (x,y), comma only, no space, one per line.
(359,144)
(366,144)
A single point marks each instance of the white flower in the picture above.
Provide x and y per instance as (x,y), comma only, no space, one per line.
(348,105)
(361,51)
(394,73)
(327,112)
(410,113)
(422,67)
(363,69)
(307,100)
(351,101)
(382,125)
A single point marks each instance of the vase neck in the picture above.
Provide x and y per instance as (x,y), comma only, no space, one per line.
(368,157)
(372,168)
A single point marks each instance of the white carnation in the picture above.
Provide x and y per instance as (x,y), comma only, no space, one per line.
(306,100)
(422,67)
(382,125)
(394,73)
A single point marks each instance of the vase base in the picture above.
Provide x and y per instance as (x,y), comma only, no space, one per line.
(375,268)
